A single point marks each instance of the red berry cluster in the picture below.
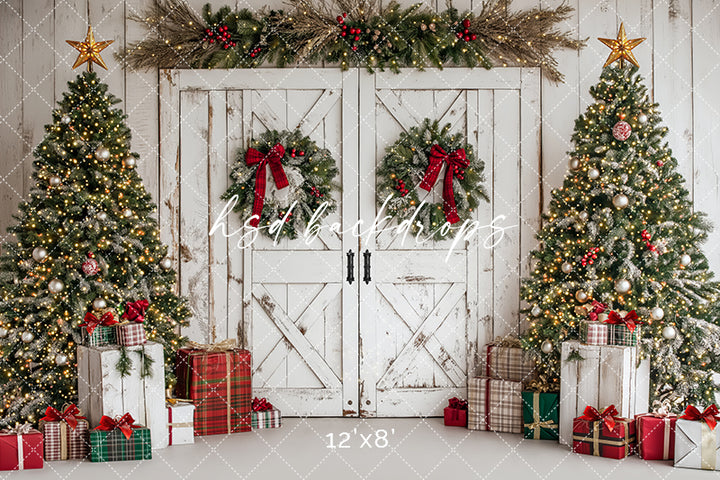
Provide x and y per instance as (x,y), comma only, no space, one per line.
(315,192)
(289,216)
(296,153)
(459,173)
(400,187)
(465,34)
(590,256)
(646,238)
(219,34)
(255,51)
(352,34)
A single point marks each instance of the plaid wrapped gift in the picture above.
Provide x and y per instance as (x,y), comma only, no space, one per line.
(66,434)
(623,331)
(541,413)
(505,359)
(217,378)
(131,334)
(603,434)
(655,436)
(100,337)
(99,331)
(21,448)
(495,405)
(118,439)
(593,333)
(180,421)
(267,419)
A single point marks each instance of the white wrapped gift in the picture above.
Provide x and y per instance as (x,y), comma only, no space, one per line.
(180,425)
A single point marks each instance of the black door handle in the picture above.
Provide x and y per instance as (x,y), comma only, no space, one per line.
(350,266)
(366,267)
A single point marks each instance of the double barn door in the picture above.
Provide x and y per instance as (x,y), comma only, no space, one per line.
(349,324)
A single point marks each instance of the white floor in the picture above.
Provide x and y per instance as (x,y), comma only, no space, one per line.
(416,448)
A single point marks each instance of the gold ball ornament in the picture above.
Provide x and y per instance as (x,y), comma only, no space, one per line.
(547,346)
(593,174)
(566,267)
(574,164)
(39,254)
(102,153)
(56,285)
(581,296)
(620,200)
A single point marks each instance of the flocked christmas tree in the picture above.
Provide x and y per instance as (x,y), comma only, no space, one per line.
(85,236)
(622,232)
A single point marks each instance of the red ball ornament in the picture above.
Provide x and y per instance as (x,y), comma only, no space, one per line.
(466,23)
(622,130)
(90,266)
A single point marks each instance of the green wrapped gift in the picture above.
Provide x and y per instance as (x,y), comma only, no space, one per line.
(119,439)
(541,415)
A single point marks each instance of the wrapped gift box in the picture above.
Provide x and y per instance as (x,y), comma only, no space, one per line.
(621,335)
(507,361)
(113,445)
(219,384)
(21,448)
(66,434)
(495,405)
(541,412)
(100,337)
(455,414)
(655,436)
(103,391)
(266,419)
(593,333)
(131,334)
(594,437)
(180,425)
(697,442)
(606,375)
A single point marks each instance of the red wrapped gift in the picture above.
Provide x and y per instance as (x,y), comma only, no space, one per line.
(655,435)
(66,434)
(603,434)
(456,413)
(217,378)
(21,448)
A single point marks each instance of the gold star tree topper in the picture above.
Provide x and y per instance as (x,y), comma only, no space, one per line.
(621,48)
(89,51)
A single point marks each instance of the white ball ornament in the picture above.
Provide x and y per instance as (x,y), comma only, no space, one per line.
(620,200)
(61,359)
(129,162)
(102,216)
(39,254)
(546,346)
(622,286)
(99,303)
(657,313)
(581,296)
(535,311)
(27,337)
(54,181)
(56,285)
(642,118)
(593,174)
(166,263)
(65,119)
(566,267)
(669,332)
(574,164)
(3,332)
(127,213)
(102,153)
(685,260)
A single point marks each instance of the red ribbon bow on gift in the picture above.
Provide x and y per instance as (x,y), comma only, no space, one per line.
(71,415)
(709,415)
(135,311)
(91,322)
(124,423)
(455,160)
(261,405)
(597,309)
(607,416)
(457,403)
(630,320)
(273,157)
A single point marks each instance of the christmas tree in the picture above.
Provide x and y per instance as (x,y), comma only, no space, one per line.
(622,232)
(85,237)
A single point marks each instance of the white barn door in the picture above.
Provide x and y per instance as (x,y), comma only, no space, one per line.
(423,316)
(285,302)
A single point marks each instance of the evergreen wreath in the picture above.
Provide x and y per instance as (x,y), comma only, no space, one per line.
(419,159)
(307,170)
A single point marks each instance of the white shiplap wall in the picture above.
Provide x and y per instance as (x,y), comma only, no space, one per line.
(680,60)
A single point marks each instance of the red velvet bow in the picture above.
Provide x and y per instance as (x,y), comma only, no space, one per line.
(261,405)
(607,416)
(457,403)
(455,160)
(630,320)
(71,415)
(598,308)
(135,311)
(124,423)
(273,157)
(91,322)
(709,415)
